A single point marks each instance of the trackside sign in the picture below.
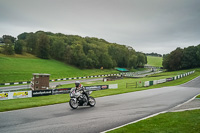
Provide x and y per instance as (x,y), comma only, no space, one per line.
(41,93)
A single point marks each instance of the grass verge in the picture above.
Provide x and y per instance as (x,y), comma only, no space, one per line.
(18,68)
(154,61)
(176,122)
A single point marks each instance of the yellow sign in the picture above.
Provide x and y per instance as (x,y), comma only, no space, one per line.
(3,95)
(20,94)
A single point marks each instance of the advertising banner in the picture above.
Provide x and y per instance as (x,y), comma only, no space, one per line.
(14,95)
(140,84)
(169,79)
(61,91)
(41,93)
(21,94)
(113,86)
(155,82)
(146,83)
(150,82)
(103,87)
(3,96)
(175,77)
(93,88)
(161,81)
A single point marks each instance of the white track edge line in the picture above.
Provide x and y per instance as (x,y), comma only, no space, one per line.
(135,121)
(190,80)
(181,110)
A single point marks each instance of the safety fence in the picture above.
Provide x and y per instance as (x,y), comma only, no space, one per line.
(62,79)
(154,82)
(35,93)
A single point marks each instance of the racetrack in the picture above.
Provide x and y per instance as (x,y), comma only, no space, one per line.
(109,112)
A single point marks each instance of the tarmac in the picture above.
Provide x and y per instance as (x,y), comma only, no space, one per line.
(189,105)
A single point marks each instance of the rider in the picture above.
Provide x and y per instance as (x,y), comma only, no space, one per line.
(79,87)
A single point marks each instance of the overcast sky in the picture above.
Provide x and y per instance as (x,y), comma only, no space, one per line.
(147,25)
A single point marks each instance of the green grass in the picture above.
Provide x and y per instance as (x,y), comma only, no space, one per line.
(20,68)
(54,99)
(154,61)
(178,122)
(22,103)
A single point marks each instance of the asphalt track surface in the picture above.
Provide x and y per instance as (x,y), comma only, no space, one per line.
(51,84)
(109,112)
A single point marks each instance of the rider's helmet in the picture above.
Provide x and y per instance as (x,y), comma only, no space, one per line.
(77,83)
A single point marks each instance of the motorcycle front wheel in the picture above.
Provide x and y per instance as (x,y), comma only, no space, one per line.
(92,101)
(73,104)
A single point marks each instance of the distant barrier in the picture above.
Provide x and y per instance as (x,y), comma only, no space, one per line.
(36,93)
(154,82)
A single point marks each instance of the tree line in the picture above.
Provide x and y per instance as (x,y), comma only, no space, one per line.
(153,54)
(82,52)
(182,58)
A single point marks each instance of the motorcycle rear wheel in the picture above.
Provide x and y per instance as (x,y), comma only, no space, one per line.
(91,101)
(73,104)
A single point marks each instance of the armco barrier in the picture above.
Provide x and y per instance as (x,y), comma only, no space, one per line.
(146,83)
(149,83)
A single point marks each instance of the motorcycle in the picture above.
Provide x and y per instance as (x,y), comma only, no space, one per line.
(81,98)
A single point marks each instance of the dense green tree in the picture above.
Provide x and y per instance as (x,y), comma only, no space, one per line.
(68,54)
(189,57)
(78,56)
(31,43)
(19,46)
(8,39)
(165,62)
(175,60)
(88,52)
(182,58)
(8,48)
(132,62)
(92,60)
(23,36)
(141,60)
(1,40)
(119,54)
(105,61)
(43,46)
(58,49)
(198,55)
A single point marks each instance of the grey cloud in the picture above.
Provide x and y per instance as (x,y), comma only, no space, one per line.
(148,26)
